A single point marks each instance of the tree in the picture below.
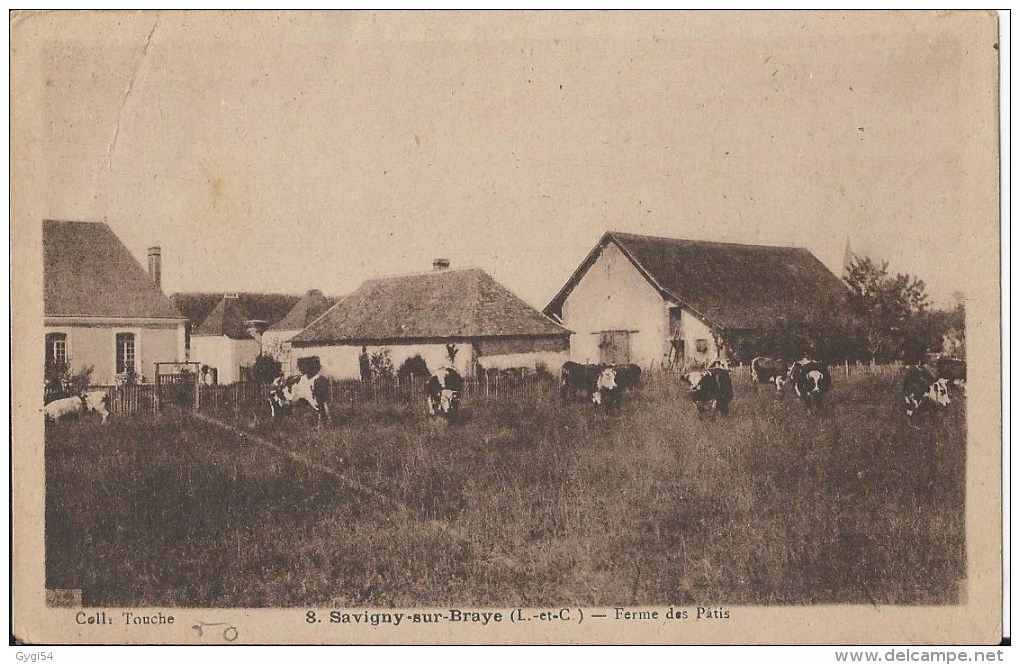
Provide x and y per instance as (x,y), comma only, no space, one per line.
(414,367)
(888,308)
(62,382)
(265,369)
(381,365)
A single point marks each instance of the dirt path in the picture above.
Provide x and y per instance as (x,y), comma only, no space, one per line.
(343,478)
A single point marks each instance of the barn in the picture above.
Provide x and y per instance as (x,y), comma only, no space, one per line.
(224,332)
(102,308)
(461,318)
(667,301)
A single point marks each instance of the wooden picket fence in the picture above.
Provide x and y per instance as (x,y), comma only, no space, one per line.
(125,400)
(242,398)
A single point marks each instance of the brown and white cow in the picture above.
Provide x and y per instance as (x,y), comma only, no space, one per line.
(770,370)
(923,390)
(711,389)
(575,378)
(61,408)
(811,381)
(444,388)
(310,388)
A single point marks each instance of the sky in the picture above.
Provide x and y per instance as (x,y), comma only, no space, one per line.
(282,152)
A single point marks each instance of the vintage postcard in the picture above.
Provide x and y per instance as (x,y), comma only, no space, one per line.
(506,327)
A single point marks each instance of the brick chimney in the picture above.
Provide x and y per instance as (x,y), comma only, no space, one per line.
(155,266)
(440,264)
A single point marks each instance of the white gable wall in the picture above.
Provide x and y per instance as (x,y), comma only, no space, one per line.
(614,295)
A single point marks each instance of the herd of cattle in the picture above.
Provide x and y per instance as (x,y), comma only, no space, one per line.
(711,389)
(925,387)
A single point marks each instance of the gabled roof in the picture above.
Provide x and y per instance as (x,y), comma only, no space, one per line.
(210,314)
(447,304)
(729,286)
(87,271)
(311,306)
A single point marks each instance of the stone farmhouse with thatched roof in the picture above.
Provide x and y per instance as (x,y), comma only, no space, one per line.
(225,330)
(666,301)
(460,318)
(102,308)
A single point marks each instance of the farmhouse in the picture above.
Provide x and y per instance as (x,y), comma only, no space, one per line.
(102,309)
(276,340)
(224,332)
(661,301)
(464,313)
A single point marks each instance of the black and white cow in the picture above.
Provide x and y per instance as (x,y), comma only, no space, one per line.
(923,390)
(444,388)
(770,370)
(628,376)
(710,389)
(575,377)
(953,370)
(811,381)
(309,387)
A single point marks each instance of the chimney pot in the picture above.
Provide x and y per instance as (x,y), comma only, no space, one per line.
(156,266)
(440,264)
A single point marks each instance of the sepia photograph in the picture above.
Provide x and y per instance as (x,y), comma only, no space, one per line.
(511,327)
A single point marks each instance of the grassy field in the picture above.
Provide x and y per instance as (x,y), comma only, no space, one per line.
(521,504)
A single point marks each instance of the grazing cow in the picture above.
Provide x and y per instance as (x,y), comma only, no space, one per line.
(628,376)
(309,387)
(444,388)
(922,389)
(607,388)
(575,377)
(770,370)
(710,389)
(811,381)
(953,370)
(97,401)
(60,408)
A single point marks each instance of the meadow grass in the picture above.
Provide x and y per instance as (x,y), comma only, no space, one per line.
(522,503)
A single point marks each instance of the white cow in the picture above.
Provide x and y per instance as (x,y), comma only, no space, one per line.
(96,400)
(57,409)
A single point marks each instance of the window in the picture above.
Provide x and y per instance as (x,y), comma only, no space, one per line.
(701,346)
(126,353)
(56,348)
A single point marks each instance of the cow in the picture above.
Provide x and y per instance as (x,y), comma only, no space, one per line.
(575,377)
(443,389)
(628,376)
(953,370)
(811,381)
(309,387)
(719,363)
(607,388)
(924,390)
(96,401)
(770,370)
(710,389)
(61,408)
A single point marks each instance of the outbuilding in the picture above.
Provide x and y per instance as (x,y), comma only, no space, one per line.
(459,318)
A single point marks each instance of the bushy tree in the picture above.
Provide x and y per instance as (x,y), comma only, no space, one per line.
(62,382)
(887,308)
(414,367)
(265,369)
(381,365)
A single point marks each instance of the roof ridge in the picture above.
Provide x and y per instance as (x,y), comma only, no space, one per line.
(444,271)
(718,243)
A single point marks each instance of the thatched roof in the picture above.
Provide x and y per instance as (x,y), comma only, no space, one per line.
(223,314)
(87,271)
(729,286)
(311,306)
(447,304)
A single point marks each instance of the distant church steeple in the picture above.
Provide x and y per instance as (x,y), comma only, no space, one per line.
(849,258)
